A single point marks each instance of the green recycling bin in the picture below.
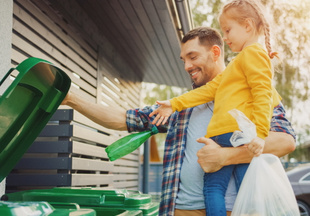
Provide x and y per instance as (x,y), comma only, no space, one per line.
(103,211)
(40,208)
(103,201)
(25,108)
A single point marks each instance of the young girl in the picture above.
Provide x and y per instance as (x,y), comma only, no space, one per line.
(246,85)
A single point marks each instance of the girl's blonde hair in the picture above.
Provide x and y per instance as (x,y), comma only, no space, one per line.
(250,9)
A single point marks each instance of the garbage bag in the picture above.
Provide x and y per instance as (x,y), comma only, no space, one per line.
(265,190)
(128,144)
(247,129)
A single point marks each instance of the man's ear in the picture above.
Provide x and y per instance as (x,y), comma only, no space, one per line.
(216,51)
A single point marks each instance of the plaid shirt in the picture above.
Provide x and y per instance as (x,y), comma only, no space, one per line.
(139,120)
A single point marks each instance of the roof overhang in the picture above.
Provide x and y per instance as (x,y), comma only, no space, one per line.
(147,34)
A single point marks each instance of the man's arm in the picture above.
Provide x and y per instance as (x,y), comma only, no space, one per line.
(111,117)
(213,157)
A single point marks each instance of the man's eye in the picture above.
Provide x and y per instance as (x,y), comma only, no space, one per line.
(193,57)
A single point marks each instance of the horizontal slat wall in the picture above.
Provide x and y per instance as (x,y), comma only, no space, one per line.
(67,153)
(35,34)
(71,149)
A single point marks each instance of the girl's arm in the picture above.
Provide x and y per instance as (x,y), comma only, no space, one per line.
(257,68)
(198,96)
(190,99)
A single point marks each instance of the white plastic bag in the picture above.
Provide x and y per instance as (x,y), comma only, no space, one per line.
(265,190)
(247,127)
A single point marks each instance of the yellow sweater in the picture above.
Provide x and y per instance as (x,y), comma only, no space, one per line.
(246,84)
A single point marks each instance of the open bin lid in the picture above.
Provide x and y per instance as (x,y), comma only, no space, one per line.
(26,106)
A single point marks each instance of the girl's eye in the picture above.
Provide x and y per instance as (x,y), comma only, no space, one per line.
(227,31)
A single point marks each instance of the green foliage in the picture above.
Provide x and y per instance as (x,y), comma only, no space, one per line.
(206,12)
(154,92)
(301,153)
(292,30)
(287,72)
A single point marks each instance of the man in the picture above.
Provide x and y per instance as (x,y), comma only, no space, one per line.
(182,186)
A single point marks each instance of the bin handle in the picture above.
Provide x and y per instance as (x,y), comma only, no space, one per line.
(74,205)
(6,76)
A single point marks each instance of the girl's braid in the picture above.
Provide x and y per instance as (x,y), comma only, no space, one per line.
(266,27)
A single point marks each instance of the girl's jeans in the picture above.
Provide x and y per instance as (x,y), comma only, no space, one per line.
(215,184)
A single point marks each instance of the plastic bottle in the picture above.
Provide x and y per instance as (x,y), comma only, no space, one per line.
(128,144)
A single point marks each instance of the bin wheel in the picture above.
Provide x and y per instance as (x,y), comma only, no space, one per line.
(4,198)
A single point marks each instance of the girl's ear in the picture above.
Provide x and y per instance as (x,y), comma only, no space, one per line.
(249,24)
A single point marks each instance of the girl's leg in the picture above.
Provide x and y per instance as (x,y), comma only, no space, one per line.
(215,186)
(239,173)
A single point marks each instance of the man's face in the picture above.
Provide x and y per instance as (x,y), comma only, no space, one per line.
(198,62)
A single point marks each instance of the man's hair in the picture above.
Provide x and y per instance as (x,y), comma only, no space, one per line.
(207,37)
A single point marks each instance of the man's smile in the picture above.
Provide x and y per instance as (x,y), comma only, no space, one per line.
(194,72)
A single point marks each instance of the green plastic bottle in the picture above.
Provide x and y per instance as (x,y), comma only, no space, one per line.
(128,144)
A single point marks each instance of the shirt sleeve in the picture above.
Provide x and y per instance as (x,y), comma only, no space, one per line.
(198,96)
(139,120)
(257,68)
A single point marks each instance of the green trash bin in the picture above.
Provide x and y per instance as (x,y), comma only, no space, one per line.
(25,108)
(102,211)
(101,200)
(40,208)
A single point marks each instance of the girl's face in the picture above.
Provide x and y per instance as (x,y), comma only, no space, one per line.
(236,35)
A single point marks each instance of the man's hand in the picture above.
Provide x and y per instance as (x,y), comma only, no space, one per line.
(210,157)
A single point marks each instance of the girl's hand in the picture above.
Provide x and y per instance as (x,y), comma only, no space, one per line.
(162,113)
(256,146)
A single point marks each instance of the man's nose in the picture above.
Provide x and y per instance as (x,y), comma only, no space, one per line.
(188,66)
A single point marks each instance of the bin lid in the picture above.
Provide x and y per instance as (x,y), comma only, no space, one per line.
(83,196)
(101,210)
(94,198)
(39,208)
(26,106)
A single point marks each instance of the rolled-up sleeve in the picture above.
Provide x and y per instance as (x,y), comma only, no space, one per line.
(139,120)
